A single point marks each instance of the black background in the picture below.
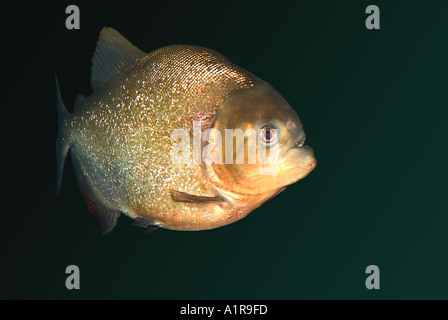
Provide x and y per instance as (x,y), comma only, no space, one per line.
(374,106)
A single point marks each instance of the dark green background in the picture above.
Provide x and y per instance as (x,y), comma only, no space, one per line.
(374,104)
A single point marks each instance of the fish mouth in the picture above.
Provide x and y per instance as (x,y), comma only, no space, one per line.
(300,143)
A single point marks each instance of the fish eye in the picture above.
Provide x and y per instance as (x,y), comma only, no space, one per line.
(268,134)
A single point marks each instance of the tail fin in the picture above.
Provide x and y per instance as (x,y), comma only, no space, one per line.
(62,145)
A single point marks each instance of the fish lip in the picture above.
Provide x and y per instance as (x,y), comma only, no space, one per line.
(299,144)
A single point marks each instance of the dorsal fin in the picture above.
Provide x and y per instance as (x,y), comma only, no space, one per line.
(112,52)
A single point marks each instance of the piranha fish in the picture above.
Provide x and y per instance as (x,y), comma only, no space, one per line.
(120,137)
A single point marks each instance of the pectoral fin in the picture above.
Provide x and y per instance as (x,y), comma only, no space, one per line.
(180,196)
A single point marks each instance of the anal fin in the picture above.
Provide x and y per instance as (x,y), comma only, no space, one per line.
(105,218)
(105,215)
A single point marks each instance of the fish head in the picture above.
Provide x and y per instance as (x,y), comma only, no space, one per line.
(269,156)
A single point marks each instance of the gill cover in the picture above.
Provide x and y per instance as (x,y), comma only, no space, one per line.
(250,110)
